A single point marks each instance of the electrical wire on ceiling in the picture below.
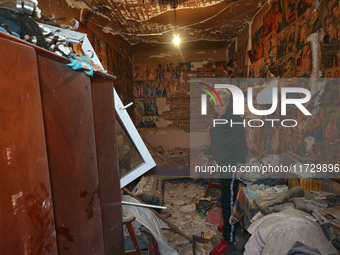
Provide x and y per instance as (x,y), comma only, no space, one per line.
(177,40)
(174,4)
(171,30)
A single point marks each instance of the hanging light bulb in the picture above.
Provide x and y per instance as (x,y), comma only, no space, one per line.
(177,40)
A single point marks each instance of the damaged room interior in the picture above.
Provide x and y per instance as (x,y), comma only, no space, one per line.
(171,127)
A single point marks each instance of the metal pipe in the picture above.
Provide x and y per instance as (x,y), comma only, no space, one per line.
(144,205)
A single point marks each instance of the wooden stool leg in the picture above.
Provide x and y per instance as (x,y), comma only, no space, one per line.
(209,185)
(133,238)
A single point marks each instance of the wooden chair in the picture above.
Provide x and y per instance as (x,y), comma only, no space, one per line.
(128,224)
(211,185)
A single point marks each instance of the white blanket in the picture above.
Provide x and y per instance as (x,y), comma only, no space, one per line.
(276,233)
(146,217)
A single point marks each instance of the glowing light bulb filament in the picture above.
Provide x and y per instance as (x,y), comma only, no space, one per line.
(177,40)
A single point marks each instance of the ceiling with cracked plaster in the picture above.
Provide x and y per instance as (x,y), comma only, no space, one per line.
(134,22)
(154,21)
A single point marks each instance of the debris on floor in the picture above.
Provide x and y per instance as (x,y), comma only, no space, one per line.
(150,190)
(181,199)
(165,158)
(214,217)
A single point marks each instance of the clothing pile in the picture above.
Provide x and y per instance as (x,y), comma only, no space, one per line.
(295,216)
(277,233)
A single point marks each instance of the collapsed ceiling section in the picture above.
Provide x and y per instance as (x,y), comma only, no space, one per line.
(156,21)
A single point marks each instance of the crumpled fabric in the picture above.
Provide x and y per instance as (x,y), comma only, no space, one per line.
(276,233)
(252,191)
(14,33)
(269,204)
(147,218)
(301,249)
(80,62)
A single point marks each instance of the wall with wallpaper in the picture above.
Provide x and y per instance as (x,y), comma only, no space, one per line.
(161,88)
(115,64)
(281,42)
(278,46)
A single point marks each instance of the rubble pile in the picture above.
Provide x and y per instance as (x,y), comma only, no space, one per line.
(180,200)
(165,158)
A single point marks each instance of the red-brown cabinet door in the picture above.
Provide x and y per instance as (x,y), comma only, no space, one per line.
(71,148)
(107,154)
(26,211)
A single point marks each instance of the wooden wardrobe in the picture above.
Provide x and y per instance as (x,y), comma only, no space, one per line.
(59,178)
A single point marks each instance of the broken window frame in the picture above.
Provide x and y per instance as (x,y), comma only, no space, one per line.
(136,140)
